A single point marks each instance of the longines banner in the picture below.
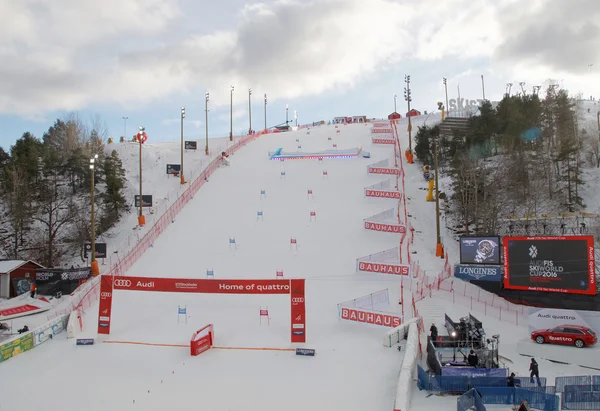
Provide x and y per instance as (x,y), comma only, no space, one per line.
(478,272)
(546,318)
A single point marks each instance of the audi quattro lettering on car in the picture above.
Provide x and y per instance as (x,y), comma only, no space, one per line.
(576,335)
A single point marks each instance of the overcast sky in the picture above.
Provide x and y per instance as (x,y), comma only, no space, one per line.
(144,59)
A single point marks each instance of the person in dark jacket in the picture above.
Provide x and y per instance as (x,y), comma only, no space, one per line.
(473,359)
(534,371)
(511,380)
(434,332)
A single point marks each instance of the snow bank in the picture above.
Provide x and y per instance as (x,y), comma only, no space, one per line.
(409,364)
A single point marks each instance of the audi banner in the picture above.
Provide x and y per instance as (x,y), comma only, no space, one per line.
(186,285)
(295,288)
(553,264)
(298,311)
(105,306)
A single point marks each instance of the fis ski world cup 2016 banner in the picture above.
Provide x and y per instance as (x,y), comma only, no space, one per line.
(383,190)
(295,288)
(386,221)
(384,262)
(382,167)
(563,264)
(364,310)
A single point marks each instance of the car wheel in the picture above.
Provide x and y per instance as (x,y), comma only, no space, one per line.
(579,344)
(539,339)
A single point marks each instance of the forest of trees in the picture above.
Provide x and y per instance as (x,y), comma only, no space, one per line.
(45,192)
(523,157)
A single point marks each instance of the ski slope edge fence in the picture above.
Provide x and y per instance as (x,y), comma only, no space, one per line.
(89,292)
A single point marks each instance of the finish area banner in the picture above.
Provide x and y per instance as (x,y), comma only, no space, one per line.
(295,288)
(205,286)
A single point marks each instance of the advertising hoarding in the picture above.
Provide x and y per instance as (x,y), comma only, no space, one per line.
(480,250)
(478,272)
(563,264)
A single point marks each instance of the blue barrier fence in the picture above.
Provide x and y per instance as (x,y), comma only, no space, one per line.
(466,401)
(579,392)
(560,382)
(462,384)
(469,400)
(423,378)
(511,396)
(581,397)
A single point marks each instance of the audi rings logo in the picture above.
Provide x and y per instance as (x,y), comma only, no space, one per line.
(122,283)
(297,300)
(105,295)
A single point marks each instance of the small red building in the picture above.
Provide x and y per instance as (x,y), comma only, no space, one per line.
(394,116)
(16,277)
(413,113)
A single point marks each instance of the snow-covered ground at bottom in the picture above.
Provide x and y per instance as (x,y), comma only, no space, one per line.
(351,369)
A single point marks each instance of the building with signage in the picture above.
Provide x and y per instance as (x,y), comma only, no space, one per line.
(16,277)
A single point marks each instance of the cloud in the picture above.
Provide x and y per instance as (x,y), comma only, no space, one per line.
(75,53)
(556,34)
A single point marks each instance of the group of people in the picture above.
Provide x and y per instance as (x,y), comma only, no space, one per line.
(473,360)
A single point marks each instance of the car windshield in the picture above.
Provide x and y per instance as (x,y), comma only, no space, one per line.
(591,332)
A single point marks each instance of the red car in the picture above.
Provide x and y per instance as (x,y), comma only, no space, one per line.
(576,335)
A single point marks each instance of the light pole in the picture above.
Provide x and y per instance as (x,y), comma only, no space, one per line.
(231,114)
(446,91)
(250,110)
(483,87)
(296,117)
(408,98)
(206,98)
(395,97)
(125,131)
(182,145)
(265,112)
(94,263)
(439,248)
(141,137)
(286,115)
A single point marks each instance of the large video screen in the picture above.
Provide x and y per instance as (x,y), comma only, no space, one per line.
(480,250)
(552,264)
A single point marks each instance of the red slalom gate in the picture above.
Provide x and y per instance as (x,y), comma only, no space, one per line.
(294,287)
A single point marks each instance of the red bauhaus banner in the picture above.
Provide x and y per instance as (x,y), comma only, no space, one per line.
(386,228)
(382,194)
(370,317)
(383,268)
(384,170)
(383,140)
(381,131)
